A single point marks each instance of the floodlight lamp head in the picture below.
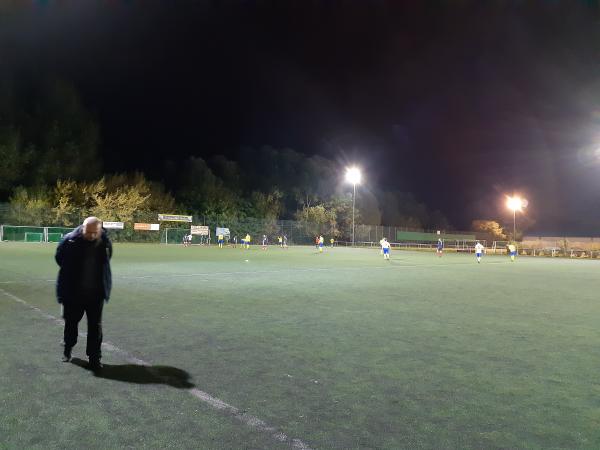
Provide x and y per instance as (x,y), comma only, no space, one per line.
(515,203)
(353,175)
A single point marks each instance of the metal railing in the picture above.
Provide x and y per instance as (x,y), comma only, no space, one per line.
(457,246)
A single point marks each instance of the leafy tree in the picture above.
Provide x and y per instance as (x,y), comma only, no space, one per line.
(317,219)
(402,209)
(317,182)
(121,203)
(15,159)
(68,137)
(368,204)
(438,221)
(524,222)
(491,227)
(30,206)
(67,201)
(267,206)
(228,171)
(341,208)
(120,197)
(45,135)
(303,181)
(157,199)
(200,190)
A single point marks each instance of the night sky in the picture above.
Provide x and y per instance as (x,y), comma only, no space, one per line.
(459,102)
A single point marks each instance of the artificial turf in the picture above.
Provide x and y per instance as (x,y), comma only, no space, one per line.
(340,350)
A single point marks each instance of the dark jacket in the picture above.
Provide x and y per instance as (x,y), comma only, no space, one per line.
(69,256)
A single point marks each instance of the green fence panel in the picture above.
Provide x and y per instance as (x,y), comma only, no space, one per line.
(18,233)
(55,237)
(415,236)
(34,237)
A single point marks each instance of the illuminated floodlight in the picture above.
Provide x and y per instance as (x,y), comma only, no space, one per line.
(353,175)
(514,203)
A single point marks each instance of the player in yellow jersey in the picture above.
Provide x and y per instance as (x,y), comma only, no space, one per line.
(512,250)
(220,240)
(321,242)
(248,239)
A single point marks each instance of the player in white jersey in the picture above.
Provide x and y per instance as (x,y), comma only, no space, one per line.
(381,245)
(479,249)
(385,248)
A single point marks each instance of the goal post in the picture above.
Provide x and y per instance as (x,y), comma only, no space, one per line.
(20,233)
(173,235)
(33,237)
(468,245)
(499,246)
(24,233)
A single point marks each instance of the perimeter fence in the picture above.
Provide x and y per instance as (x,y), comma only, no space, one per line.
(17,225)
(494,247)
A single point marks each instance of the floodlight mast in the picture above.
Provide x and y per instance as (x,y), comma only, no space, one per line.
(353,176)
(515,203)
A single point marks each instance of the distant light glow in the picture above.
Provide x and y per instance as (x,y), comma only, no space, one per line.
(516,203)
(353,175)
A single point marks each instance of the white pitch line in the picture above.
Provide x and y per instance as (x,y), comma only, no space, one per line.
(241,272)
(395,264)
(247,419)
(312,269)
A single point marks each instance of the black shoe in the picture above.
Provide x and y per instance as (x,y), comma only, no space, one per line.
(95,364)
(66,355)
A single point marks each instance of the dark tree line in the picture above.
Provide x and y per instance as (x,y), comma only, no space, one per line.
(48,138)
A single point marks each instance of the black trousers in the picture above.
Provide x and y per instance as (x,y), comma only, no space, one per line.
(73,311)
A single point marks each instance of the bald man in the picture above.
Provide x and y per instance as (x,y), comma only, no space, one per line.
(83,285)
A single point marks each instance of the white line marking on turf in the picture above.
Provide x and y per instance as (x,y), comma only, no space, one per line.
(293,270)
(247,419)
(395,264)
(211,274)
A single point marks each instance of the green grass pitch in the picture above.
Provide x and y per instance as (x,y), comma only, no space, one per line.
(341,350)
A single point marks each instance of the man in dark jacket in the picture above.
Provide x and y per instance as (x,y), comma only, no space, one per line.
(84,284)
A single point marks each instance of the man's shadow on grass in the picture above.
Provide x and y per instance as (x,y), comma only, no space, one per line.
(133,373)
